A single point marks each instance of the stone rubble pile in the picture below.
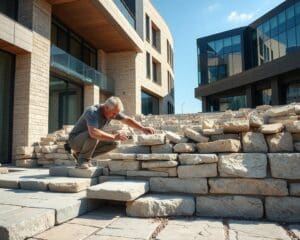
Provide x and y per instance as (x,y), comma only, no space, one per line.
(243,164)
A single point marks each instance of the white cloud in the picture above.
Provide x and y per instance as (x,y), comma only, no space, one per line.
(213,7)
(234,16)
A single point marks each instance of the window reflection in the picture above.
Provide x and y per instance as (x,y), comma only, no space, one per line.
(150,104)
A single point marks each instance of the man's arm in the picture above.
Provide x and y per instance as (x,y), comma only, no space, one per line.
(101,135)
(134,124)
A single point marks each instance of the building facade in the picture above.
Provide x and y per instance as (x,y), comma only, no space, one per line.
(59,56)
(253,65)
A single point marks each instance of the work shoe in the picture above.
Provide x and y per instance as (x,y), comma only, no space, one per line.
(84,165)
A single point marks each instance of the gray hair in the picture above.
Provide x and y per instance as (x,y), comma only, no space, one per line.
(113,102)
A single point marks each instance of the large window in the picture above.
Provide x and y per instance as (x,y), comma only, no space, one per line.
(127,8)
(147,28)
(280,35)
(6,96)
(150,104)
(223,58)
(9,8)
(293,92)
(65,103)
(156,71)
(148,65)
(155,37)
(233,103)
(71,43)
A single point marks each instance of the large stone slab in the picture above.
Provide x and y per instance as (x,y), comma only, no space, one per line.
(151,139)
(91,172)
(25,222)
(281,111)
(293,127)
(34,184)
(229,206)
(271,128)
(166,148)
(159,164)
(295,189)
(184,147)
(194,135)
(235,136)
(71,185)
(175,138)
(122,156)
(196,229)
(250,230)
(254,142)
(229,145)
(267,187)
(157,156)
(235,126)
(3,170)
(246,165)
(176,185)
(212,131)
(59,171)
(285,165)
(172,172)
(256,120)
(158,205)
(197,171)
(280,142)
(194,159)
(284,209)
(118,190)
(123,165)
(146,174)
(125,228)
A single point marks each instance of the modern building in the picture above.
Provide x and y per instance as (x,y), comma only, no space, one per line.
(253,65)
(59,56)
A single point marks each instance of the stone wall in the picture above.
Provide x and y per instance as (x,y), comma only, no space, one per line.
(243,164)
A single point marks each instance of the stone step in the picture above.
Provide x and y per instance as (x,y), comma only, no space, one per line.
(25,222)
(159,205)
(67,171)
(119,190)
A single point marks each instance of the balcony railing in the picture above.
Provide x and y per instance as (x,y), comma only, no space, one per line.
(126,12)
(68,64)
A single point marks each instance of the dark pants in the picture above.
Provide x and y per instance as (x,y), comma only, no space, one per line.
(87,147)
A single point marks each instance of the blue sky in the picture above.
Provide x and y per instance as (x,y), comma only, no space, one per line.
(191,19)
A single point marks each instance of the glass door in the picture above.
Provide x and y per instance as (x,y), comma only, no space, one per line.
(65,103)
(6,97)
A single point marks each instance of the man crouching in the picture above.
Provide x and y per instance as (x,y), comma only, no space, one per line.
(87,139)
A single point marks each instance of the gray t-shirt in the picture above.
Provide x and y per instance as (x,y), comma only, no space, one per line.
(92,117)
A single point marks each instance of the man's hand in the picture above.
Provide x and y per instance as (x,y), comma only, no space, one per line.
(148,130)
(120,136)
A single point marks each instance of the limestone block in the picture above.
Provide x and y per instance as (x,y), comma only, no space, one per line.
(175,138)
(122,156)
(263,107)
(225,136)
(103,179)
(34,184)
(229,206)
(271,128)
(49,149)
(176,185)
(23,156)
(254,142)
(194,135)
(91,172)
(24,150)
(184,147)
(123,165)
(172,172)
(285,165)
(59,171)
(64,162)
(285,209)
(297,146)
(255,120)
(281,111)
(166,148)
(151,139)
(71,185)
(159,164)
(234,126)
(119,190)
(280,142)
(3,170)
(197,171)
(247,165)
(267,187)
(297,109)
(142,173)
(129,148)
(194,159)
(295,189)
(26,163)
(212,131)
(283,119)
(208,124)
(156,205)
(229,145)
(157,156)
(296,137)
(293,127)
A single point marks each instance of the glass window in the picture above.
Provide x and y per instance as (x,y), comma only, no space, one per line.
(298,35)
(148,70)
(281,22)
(219,47)
(297,13)
(290,17)
(236,43)
(293,93)
(75,47)
(264,96)
(266,28)
(211,49)
(274,26)
(227,45)
(233,103)
(62,39)
(150,104)
(9,8)
(147,27)
(282,44)
(212,74)
(292,41)
(53,34)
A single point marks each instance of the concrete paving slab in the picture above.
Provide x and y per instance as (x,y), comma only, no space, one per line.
(134,228)
(67,231)
(119,190)
(25,222)
(250,230)
(85,173)
(5,209)
(193,229)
